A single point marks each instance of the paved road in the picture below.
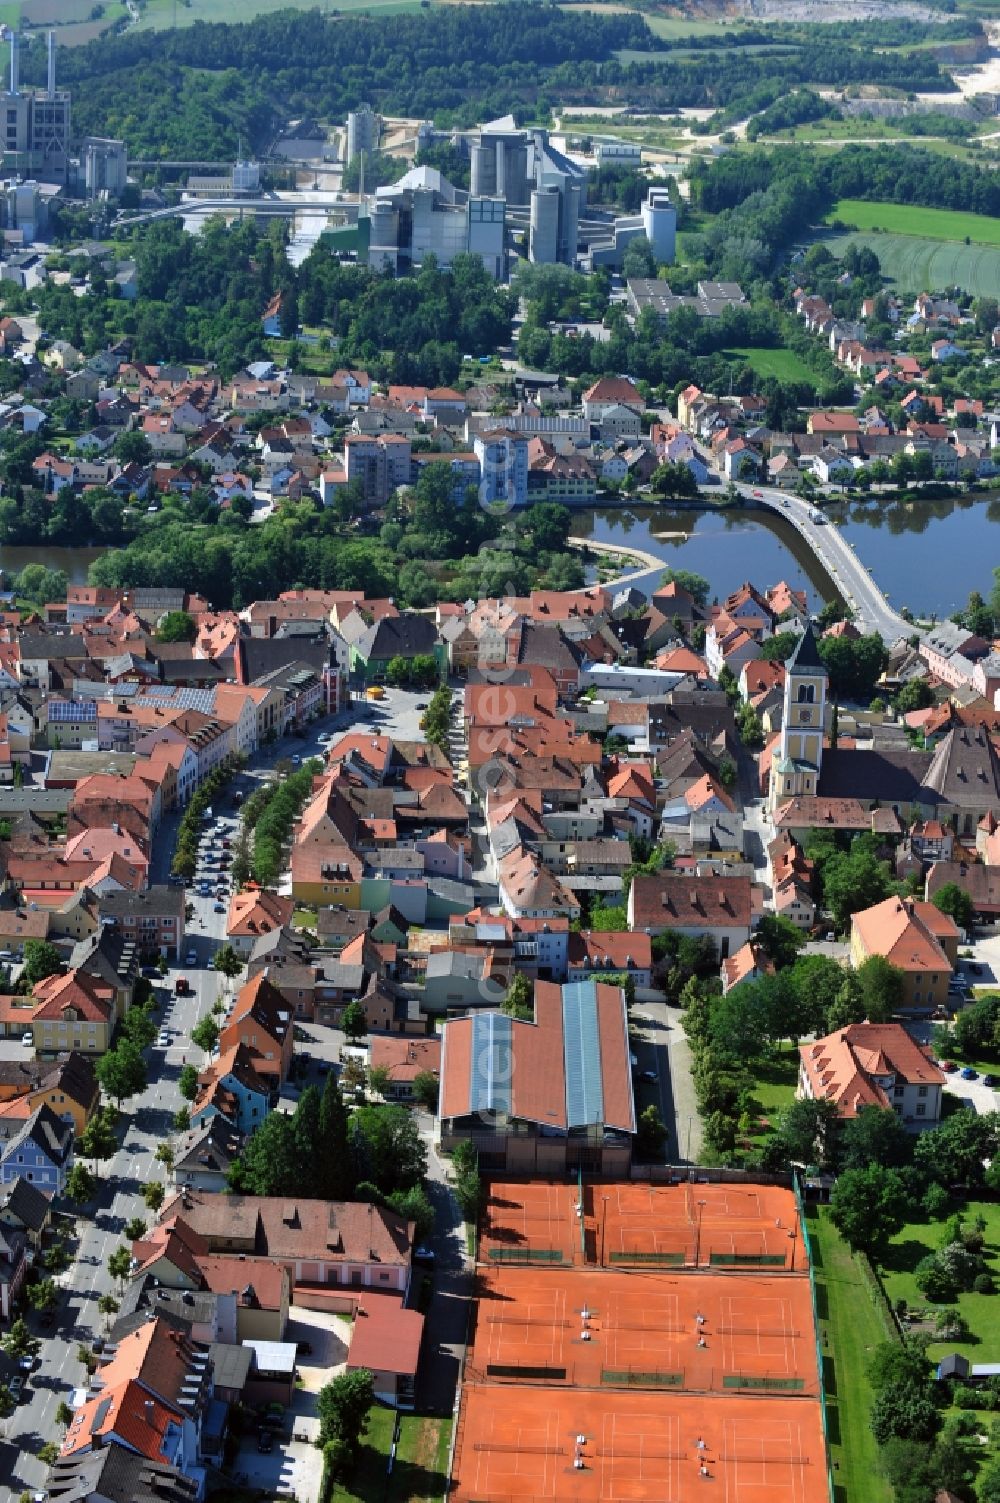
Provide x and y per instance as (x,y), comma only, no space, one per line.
(872,611)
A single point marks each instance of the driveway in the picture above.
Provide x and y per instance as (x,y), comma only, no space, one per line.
(329,1336)
(447,1321)
(295,1465)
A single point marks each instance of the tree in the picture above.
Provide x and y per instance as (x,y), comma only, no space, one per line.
(19,1341)
(426,1089)
(334,1161)
(854,880)
(43,1295)
(165,1155)
(121,1071)
(48,1453)
(388,1149)
(182,1117)
(41,959)
(107,1306)
(39,584)
(353,1021)
(868,1206)
(81,1185)
(226,961)
(874,1136)
(956,902)
(988,1484)
(414,1205)
(187,1082)
(882,986)
(120,1264)
(807,1127)
(343,1406)
(134,1228)
(379,1077)
(780,939)
(133,448)
(651,1134)
(269,1163)
(64,1414)
(153,1194)
(817,981)
(518,1001)
(177,626)
(206,1034)
(697,586)
(98,1140)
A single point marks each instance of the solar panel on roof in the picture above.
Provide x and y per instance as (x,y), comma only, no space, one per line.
(490,1063)
(582,1055)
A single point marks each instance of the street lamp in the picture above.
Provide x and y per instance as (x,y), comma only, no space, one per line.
(697,1236)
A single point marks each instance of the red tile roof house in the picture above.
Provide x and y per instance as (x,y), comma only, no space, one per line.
(873,1064)
(261,1020)
(547,1096)
(344,1244)
(405,1059)
(386,1341)
(254,912)
(720,907)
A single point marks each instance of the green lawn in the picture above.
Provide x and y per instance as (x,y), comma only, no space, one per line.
(981,1311)
(303,918)
(420,1471)
(783,364)
(913,219)
(850,1329)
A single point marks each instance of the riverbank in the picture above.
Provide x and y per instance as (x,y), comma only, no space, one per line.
(645,562)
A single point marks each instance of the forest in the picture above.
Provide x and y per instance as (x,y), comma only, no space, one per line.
(195,92)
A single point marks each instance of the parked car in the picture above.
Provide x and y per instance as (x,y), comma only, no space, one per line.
(649,1075)
(989,1079)
(16,1387)
(218,907)
(969,1073)
(191,958)
(948,1066)
(265,1441)
(163,1038)
(423,1254)
(182,987)
(975,968)
(27,1037)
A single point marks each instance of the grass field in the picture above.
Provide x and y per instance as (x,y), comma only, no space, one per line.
(158,15)
(419,1475)
(981,1311)
(913,219)
(785,365)
(921,265)
(850,1328)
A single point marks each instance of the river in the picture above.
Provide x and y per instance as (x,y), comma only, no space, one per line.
(927,555)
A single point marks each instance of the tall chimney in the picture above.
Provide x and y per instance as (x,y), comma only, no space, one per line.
(52,65)
(13,61)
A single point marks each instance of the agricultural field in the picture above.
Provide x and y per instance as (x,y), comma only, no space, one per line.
(159,15)
(915,264)
(784,365)
(913,219)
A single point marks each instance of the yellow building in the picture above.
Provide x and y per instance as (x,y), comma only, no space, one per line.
(917,938)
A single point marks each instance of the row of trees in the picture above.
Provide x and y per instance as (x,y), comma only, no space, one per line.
(185,859)
(274,824)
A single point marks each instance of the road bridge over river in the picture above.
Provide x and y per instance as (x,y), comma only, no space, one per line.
(853,581)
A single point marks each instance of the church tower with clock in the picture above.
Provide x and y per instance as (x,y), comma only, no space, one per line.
(796,764)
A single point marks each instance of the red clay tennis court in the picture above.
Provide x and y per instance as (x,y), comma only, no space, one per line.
(525,1443)
(755,1227)
(711,1332)
(534,1222)
(634,1224)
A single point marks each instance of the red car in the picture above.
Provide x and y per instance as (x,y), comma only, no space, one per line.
(948,1066)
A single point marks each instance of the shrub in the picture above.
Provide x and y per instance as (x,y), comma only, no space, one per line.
(983,1284)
